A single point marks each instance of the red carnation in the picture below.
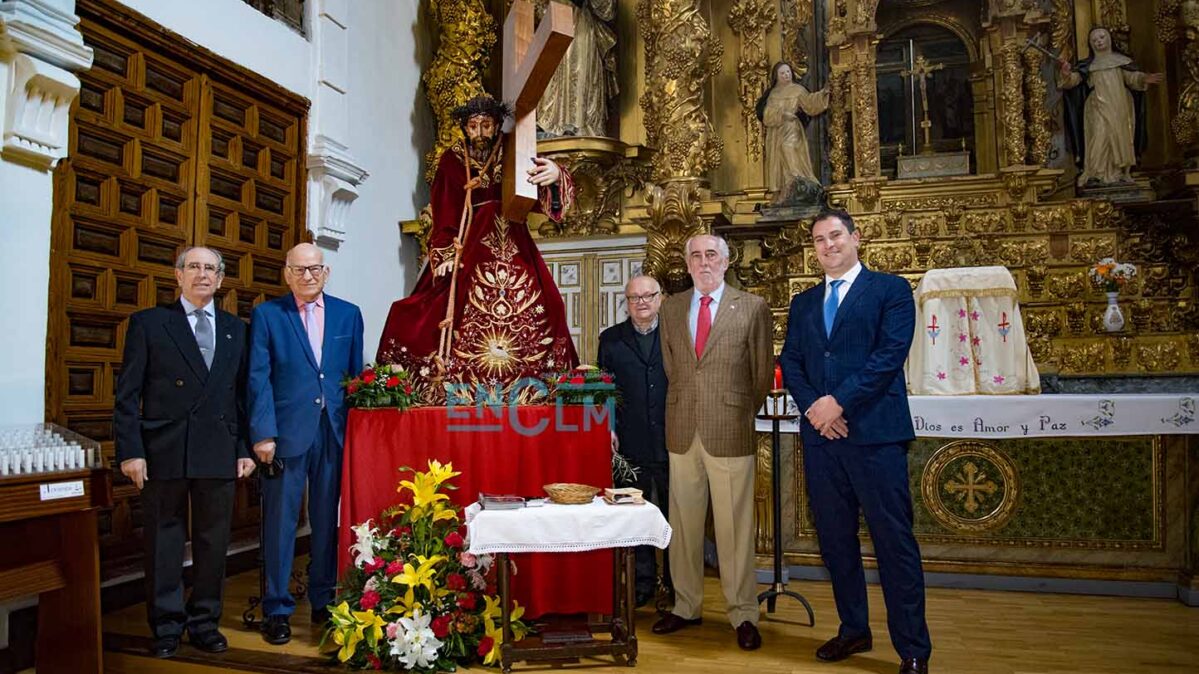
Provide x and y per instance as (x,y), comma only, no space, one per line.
(455,582)
(370,599)
(453,539)
(485,645)
(441,625)
(562,379)
(374,565)
(393,381)
(374,660)
(577,379)
(606,378)
(467,602)
(368,377)
(395,567)
(352,387)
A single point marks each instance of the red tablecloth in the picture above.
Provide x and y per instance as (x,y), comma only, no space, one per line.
(514,452)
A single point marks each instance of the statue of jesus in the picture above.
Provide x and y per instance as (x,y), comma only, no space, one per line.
(485,310)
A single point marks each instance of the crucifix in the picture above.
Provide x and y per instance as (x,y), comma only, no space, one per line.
(530,60)
(923,70)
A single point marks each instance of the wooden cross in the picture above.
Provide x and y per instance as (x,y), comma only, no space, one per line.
(529,62)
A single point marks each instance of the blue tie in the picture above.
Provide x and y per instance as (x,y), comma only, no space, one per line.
(830,307)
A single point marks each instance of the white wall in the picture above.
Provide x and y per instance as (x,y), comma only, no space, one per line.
(241,34)
(391,127)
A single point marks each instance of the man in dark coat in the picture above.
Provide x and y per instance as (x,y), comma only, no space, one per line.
(631,351)
(180,437)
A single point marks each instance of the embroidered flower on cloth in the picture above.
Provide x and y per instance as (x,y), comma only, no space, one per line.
(964,361)
(941,376)
(998,379)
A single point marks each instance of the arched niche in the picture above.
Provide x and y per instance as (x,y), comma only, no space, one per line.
(952,93)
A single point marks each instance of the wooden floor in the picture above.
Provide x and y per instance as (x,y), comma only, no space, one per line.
(973,632)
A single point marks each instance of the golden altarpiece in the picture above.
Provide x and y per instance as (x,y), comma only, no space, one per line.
(684,153)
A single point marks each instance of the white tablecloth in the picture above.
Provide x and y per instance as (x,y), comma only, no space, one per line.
(565,528)
(1038,416)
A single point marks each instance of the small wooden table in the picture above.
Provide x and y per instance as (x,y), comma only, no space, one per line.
(505,532)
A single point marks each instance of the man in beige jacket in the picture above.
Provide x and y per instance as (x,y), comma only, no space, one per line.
(716,347)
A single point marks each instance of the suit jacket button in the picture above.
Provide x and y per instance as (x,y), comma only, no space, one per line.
(178,382)
(827,354)
(322,375)
(317,401)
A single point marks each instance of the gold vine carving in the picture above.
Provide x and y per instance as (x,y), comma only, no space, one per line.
(750,19)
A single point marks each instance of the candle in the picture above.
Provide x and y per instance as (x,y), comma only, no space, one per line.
(778,376)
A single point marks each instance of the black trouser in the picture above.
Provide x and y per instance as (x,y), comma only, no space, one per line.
(164,503)
(653,479)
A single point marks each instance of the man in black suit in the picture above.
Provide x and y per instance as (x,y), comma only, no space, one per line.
(631,351)
(180,436)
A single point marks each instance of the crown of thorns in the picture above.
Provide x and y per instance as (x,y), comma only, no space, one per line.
(481,105)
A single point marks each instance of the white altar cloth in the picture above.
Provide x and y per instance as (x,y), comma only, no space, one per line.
(1039,416)
(566,528)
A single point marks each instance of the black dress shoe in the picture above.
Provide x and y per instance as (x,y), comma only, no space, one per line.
(748,637)
(320,616)
(276,629)
(673,623)
(839,648)
(209,641)
(913,666)
(165,647)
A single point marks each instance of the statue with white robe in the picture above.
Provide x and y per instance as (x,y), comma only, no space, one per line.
(576,101)
(784,110)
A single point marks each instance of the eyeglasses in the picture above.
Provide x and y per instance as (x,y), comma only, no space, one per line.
(641,299)
(299,270)
(196,268)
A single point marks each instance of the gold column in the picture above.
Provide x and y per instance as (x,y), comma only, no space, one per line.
(680,57)
(456,74)
(838,125)
(852,41)
(795,16)
(1035,87)
(1114,15)
(750,19)
(1012,99)
(1177,21)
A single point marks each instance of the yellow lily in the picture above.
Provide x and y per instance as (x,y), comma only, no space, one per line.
(440,473)
(424,490)
(406,605)
(497,640)
(419,574)
(492,616)
(354,626)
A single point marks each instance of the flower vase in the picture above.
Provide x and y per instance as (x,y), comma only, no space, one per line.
(1113,317)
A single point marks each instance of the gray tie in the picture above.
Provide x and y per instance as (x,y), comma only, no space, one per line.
(204,337)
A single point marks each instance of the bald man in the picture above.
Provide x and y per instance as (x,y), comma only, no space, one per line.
(301,346)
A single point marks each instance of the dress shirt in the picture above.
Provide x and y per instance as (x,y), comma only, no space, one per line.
(318,313)
(209,310)
(849,277)
(693,315)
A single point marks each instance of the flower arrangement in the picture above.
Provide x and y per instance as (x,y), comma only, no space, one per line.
(380,386)
(585,384)
(415,599)
(1111,276)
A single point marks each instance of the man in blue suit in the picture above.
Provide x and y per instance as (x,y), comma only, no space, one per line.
(301,345)
(847,340)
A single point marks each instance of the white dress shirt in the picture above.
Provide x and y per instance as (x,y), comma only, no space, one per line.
(190,309)
(693,315)
(849,277)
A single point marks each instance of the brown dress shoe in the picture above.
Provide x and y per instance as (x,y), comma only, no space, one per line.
(839,648)
(913,666)
(673,623)
(748,637)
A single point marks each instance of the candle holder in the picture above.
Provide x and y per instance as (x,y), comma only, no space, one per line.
(777,410)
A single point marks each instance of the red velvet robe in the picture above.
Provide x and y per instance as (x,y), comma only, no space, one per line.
(509,319)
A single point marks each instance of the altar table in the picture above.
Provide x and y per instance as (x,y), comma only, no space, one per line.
(507,450)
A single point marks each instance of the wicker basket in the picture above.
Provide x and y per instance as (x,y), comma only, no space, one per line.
(569,493)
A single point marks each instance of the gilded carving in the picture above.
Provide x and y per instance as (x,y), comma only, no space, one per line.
(1193,348)
(468,33)
(763,500)
(953,212)
(870,225)
(865,118)
(1067,285)
(1013,103)
(1021,253)
(1050,219)
(1016,184)
(599,188)
(976,222)
(1020,213)
(1178,20)
(1142,314)
(750,19)
(1040,136)
(838,130)
(1159,357)
(1114,16)
(890,258)
(944,203)
(1092,249)
(1043,324)
(836,34)
(893,217)
(867,191)
(1076,317)
(1089,357)
(1121,351)
(924,226)
(1034,278)
(795,17)
(1080,210)
(674,217)
(863,18)
(1061,22)
(681,55)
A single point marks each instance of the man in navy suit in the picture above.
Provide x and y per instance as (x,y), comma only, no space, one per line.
(847,340)
(180,426)
(301,345)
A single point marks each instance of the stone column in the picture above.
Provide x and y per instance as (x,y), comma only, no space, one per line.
(40,49)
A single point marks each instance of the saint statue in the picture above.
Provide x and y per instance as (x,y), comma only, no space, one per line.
(576,101)
(485,310)
(1105,121)
(784,109)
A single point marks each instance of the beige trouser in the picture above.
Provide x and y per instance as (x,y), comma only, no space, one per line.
(730,481)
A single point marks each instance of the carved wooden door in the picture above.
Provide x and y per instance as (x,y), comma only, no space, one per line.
(170,146)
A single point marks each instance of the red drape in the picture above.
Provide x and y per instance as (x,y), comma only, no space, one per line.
(513,451)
